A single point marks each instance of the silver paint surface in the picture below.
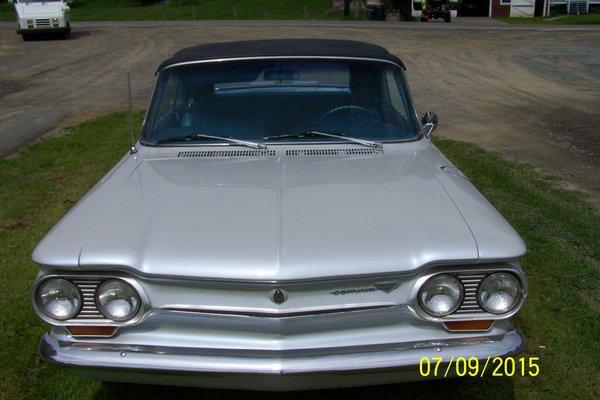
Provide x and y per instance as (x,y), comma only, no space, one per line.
(280,218)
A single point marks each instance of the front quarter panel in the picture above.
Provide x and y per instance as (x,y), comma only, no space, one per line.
(496,239)
(60,248)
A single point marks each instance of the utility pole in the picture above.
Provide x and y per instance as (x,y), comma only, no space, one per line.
(347,8)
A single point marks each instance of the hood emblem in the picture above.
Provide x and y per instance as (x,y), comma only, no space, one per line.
(386,286)
(279,296)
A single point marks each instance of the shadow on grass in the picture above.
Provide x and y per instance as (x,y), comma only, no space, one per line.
(489,388)
(78,33)
(50,36)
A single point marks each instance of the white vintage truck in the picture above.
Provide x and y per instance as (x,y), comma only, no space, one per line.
(42,16)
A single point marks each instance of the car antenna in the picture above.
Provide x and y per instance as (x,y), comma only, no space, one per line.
(133,149)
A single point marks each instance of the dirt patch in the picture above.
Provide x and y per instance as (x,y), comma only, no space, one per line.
(589,301)
(8,86)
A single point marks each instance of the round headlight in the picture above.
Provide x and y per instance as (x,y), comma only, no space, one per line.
(441,295)
(59,299)
(499,293)
(117,300)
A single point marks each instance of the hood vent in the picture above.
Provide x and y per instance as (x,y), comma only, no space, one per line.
(225,153)
(333,152)
(272,153)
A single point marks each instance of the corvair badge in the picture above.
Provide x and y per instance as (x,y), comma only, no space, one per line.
(386,287)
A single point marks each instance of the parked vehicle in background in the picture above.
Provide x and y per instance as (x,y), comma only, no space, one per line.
(435,9)
(375,10)
(42,16)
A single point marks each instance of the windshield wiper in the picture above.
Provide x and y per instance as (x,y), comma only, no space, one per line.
(364,142)
(193,136)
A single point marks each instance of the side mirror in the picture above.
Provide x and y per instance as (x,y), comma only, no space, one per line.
(430,122)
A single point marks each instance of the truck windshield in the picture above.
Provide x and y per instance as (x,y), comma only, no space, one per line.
(257,100)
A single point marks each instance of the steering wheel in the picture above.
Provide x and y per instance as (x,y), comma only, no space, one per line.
(372,116)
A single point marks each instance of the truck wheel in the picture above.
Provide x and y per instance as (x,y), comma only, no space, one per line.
(448,17)
(26,37)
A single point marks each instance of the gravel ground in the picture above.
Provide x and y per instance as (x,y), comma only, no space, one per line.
(532,93)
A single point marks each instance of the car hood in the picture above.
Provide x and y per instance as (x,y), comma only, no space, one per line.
(39,9)
(285,215)
(270,218)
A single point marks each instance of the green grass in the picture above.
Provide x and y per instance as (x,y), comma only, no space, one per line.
(583,19)
(126,10)
(562,314)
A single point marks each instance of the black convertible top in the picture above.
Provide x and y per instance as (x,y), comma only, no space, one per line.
(281,48)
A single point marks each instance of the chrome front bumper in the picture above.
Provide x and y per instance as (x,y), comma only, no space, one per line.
(271,371)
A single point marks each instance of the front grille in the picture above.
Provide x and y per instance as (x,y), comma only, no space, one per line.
(333,152)
(88,288)
(470,282)
(42,22)
(225,153)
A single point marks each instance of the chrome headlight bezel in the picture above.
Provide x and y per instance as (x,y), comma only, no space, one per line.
(440,280)
(417,310)
(498,275)
(39,301)
(124,286)
(141,314)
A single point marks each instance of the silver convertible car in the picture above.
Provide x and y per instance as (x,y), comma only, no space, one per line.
(283,223)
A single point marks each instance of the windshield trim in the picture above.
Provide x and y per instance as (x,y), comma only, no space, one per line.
(421,133)
(227,59)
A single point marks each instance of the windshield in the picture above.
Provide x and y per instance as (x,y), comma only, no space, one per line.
(259,100)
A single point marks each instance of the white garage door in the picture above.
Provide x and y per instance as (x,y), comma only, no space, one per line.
(522,8)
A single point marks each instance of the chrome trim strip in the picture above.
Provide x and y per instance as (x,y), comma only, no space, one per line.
(467,265)
(304,352)
(276,313)
(143,127)
(414,107)
(186,361)
(226,59)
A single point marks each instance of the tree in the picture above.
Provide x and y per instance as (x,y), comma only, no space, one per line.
(347,8)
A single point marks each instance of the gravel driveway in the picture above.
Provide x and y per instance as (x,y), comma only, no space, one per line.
(532,93)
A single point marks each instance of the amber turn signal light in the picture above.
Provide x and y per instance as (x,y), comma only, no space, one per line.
(477,325)
(91,330)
